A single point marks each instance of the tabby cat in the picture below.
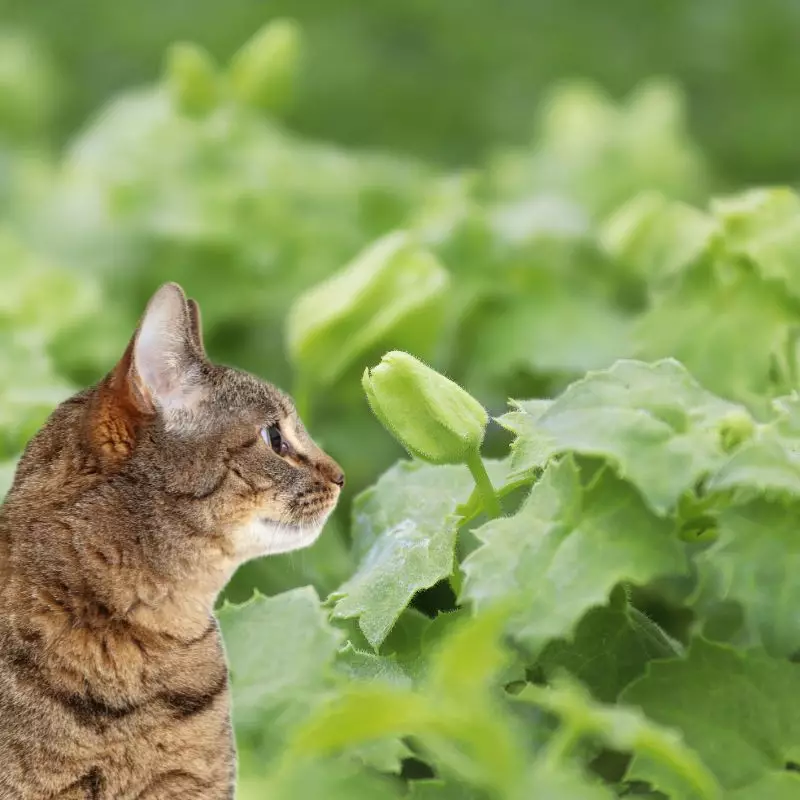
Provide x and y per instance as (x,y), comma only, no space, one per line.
(130,510)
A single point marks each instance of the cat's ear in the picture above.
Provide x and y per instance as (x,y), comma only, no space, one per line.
(166,356)
(161,373)
(196,324)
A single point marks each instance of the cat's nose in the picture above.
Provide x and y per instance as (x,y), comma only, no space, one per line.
(332,472)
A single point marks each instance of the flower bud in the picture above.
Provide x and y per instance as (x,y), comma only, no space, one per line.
(430,415)
(393,292)
(263,73)
(192,79)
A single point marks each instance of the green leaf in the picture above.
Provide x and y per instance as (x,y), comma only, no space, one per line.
(557,331)
(564,784)
(731,350)
(561,782)
(32,395)
(369,667)
(191,78)
(623,729)
(263,73)
(611,647)
(769,462)
(266,677)
(392,293)
(469,657)
(599,152)
(755,562)
(566,549)
(657,238)
(330,779)
(404,529)
(764,226)
(456,711)
(653,422)
(776,786)
(439,790)
(732,707)
(385,755)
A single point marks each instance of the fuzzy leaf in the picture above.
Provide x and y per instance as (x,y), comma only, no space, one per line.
(627,730)
(281,650)
(732,707)
(653,422)
(404,528)
(566,549)
(755,562)
(611,647)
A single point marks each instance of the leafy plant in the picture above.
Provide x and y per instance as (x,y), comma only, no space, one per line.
(588,592)
(551,680)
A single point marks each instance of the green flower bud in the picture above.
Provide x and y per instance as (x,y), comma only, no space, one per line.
(192,79)
(264,72)
(394,291)
(432,417)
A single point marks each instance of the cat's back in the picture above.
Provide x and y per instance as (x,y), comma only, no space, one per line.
(100,695)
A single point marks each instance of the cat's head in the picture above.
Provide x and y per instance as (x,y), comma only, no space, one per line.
(209,449)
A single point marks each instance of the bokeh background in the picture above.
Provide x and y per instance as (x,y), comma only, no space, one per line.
(502,136)
(458,167)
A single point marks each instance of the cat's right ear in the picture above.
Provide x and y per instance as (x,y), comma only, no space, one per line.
(160,374)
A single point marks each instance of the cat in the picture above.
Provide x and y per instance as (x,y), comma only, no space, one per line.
(129,511)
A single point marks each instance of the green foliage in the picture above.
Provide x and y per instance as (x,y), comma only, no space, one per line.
(569,544)
(626,624)
(599,153)
(394,290)
(741,741)
(264,71)
(192,79)
(408,518)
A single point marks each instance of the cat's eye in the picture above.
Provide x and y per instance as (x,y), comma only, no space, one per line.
(272,436)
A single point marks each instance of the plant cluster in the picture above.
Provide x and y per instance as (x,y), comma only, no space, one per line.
(588,593)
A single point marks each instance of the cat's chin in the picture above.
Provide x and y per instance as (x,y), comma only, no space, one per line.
(263,537)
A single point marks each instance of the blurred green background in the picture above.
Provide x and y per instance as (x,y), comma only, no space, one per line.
(448,80)
(500,136)
(535,155)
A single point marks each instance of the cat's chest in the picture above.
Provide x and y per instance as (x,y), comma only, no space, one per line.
(160,760)
(82,731)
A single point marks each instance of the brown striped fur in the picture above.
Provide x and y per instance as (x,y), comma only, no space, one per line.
(129,512)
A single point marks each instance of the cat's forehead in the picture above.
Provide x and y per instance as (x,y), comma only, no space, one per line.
(241,393)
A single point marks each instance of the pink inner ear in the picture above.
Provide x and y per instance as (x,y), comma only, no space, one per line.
(164,361)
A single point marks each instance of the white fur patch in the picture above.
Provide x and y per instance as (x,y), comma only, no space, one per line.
(265,538)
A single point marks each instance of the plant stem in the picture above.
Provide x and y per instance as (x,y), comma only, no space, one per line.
(491,505)
(560,746)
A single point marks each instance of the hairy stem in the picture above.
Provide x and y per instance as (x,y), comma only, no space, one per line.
(491,505)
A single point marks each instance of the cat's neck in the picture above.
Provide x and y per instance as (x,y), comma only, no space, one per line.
(66,568)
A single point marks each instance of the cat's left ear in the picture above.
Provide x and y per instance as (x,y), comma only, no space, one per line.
(167,355)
